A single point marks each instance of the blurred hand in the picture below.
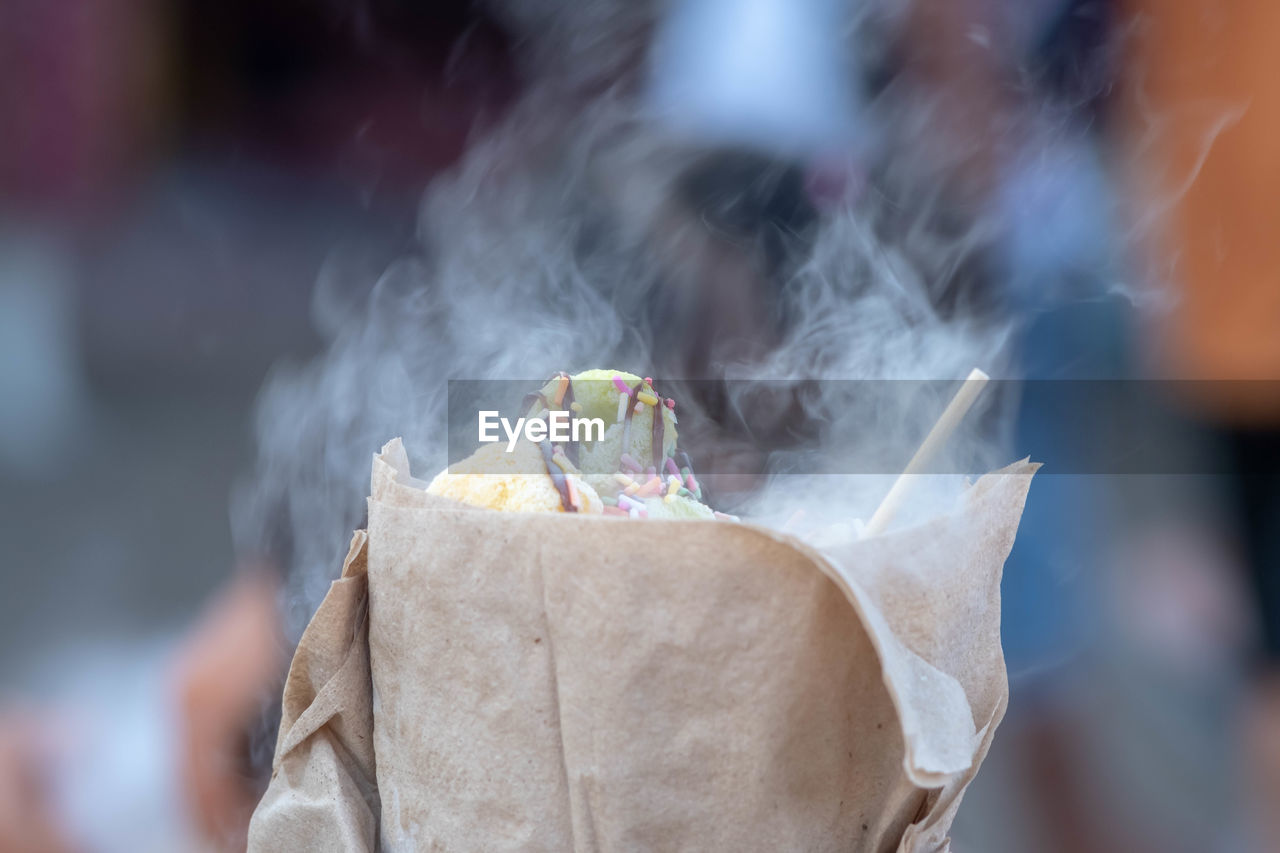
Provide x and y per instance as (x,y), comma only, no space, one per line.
(224,672)
(1260,747)
(27,824)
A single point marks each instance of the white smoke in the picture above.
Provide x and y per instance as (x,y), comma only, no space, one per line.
(570,238)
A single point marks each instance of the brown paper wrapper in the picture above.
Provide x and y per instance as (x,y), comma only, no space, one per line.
(508,681)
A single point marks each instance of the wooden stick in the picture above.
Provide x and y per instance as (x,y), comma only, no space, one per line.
(933,442)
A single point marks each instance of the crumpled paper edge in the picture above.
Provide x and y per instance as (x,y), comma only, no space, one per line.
(942,754)
(320,733)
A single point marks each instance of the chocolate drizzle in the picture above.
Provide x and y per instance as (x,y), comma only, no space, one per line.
(535,397)
(626,419)
(553,470)
(572,450)
(557,476)
(659,426)
(657,437)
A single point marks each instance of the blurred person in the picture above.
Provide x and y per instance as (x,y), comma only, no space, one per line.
(1018,91)
(1202,122)
(1021,94)
(233,657)
(103,99)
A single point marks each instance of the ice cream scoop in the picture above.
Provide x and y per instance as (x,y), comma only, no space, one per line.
(518,481)
(634,428)
(635,469)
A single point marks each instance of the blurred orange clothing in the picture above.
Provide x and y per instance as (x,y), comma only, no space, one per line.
(1202,118)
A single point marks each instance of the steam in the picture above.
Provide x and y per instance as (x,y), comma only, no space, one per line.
(579,236)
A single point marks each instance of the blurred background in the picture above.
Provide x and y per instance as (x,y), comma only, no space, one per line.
(179,179)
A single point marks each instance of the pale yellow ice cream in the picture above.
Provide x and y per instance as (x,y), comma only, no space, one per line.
(513,482)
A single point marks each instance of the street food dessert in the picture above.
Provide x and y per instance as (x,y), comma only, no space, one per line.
(633,467)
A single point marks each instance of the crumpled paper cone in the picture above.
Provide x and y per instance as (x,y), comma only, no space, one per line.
(508,681)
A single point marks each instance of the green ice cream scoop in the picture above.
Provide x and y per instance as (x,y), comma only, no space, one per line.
(601,394)
(634,466)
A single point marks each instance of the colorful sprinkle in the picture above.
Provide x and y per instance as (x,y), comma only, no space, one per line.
(575,406)
(629,503)
(574,500)
(562,385)
(621,385)
(623,399)
(629,463)
(671,403)
(608,501)
(650,489)
(670,467)
(563,461)
(673,486)
(623,479)
(647,398)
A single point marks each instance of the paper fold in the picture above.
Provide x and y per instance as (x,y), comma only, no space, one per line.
(323,793)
